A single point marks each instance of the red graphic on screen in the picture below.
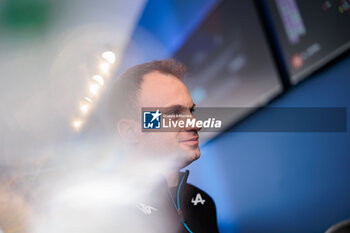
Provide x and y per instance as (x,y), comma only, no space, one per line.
(297,61)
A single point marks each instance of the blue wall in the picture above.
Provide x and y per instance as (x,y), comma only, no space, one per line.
(283,182)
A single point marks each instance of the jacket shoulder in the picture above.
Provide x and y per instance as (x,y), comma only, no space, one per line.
(199,209)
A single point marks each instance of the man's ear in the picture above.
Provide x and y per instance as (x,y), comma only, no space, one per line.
(129,130)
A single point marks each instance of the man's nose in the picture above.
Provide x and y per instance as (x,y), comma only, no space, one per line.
(196,127)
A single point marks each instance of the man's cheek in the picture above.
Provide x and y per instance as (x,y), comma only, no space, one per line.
(163,142)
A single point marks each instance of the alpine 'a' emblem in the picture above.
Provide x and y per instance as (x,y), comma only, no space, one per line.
(198,199)
(146,209)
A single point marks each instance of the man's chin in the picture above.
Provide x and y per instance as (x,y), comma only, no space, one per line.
(192,156)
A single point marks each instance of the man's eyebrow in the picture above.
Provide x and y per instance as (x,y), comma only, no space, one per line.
(175,107)
(178,107)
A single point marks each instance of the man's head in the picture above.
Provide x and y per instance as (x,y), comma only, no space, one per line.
(156,84)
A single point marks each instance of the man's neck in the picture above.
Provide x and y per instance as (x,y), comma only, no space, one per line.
(172,178)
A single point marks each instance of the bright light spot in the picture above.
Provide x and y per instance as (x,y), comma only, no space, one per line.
(94,88)
(104,67)
(109,56)
(77,124)
(98,79)
(84,108)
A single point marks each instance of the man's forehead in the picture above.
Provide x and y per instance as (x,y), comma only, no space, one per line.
(163,90)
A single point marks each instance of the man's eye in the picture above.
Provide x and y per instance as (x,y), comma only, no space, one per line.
(176,112)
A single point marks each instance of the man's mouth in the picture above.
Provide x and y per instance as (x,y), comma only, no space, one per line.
(190,141)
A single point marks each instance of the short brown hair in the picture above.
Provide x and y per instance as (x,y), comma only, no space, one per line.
(123,96)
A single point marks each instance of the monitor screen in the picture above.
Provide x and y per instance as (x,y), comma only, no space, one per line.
(309,33)
(228,60)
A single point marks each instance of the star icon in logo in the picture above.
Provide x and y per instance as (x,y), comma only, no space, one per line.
(156,115)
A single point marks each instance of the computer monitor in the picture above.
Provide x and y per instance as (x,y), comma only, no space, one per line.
(229,61)
(309,33)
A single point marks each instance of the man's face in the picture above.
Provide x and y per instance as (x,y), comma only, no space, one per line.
(166,91)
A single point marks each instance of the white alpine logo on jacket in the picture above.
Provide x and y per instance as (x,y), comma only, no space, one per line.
(146,209)
(198,199)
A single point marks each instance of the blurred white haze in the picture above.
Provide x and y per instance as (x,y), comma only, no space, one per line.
(60,169)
